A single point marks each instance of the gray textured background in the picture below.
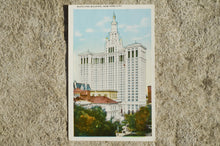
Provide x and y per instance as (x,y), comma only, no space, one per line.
(33,68)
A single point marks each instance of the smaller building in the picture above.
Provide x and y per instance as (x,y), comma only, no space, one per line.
(83,103)
(76,92)
(112,108)
(80,87)
(112,94)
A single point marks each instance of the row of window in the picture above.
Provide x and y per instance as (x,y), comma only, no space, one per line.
(113,107)
(132,65)
(113,114)
(132,99)
(132,54)
(101,60)
(132,68)
(136,71)
(132,85)
(132,106)
(84,60)
(132,74)
(132,81)
(111,49)
(133,93)
(111,59)
(121,58)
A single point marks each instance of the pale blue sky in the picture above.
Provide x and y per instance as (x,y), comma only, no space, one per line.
(91,27)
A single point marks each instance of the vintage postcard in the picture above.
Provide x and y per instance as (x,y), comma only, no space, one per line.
(111,73)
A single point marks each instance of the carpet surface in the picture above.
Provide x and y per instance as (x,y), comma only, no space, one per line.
(33,72)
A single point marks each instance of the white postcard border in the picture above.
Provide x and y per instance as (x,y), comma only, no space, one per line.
(70,73)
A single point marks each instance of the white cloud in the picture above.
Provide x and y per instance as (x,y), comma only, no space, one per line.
(137,38)
(131,28)
(142,39)
(103,21)
(81,39)
(121,26)
(78,34)
(134,28)
(89,30)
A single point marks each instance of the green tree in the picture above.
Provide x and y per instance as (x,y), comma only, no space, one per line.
(98,113)
(142,118)
(92,122)
(131,120)
(82,121)
(139,121)
(117,126)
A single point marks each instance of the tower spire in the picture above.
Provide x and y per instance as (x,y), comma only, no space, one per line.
(113,42)
(114,23)
(114,16)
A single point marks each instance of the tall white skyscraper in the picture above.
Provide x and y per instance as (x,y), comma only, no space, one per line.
(118,68)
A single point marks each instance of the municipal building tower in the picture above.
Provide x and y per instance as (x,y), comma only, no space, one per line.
(118,68)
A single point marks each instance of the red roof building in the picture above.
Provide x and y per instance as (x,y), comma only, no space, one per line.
(96,99)
(101,99)
(112,108)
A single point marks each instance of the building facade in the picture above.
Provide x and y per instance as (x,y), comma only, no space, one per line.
(111,107)
(79,88)
(117,68)
(107,93)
